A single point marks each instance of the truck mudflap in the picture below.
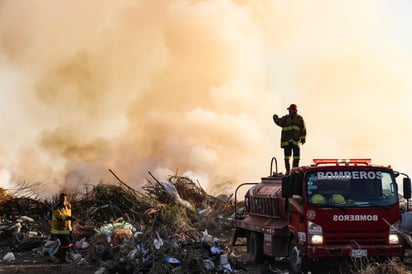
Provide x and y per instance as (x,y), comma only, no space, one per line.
(318,252)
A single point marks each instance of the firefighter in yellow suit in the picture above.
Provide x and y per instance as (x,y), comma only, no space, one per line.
(61,226)
(293,135)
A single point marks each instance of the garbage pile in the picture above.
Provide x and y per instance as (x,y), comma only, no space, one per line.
(168,226)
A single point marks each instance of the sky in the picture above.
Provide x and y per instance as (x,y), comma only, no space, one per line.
(185,87)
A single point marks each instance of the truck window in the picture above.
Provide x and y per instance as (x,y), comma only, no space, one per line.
(351,188)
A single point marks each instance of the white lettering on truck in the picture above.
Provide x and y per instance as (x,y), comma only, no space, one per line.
(355,218)
(356,175)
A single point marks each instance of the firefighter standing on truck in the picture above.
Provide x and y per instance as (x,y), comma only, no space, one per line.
(61,227)
(293,134)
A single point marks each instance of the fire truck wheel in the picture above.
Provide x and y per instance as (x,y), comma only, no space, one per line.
(297,262)
(255,247)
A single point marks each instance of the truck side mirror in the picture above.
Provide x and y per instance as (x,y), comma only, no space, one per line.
(296,184)
(407,188)
(286,187)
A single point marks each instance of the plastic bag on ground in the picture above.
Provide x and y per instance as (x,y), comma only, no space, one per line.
(158,242)
(9,257)
(51,247)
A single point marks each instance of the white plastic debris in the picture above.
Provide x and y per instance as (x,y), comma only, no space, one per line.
(27,219)
(207,238)
(208,264)
(124,225)
(171,189)
(184,203)
(79,243)
(106,229)
(204,212)
(132,255)
(9,257)
(175,244)
(101,270)
(137,234)
(223,259)
(76,257)
(85,245)
(18,227)
(232,254)
(227,267)
(34,233)
(51,247)
(158,242)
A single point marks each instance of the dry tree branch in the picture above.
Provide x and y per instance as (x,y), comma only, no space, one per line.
(123,183)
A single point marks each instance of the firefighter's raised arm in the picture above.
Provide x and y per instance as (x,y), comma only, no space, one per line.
(275,118)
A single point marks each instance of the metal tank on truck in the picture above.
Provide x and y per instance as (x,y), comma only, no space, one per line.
(332,209)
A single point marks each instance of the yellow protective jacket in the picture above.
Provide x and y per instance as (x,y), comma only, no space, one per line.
(293,129)
(61,220)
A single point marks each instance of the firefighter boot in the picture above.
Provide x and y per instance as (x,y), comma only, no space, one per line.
(295,163)
(287,166)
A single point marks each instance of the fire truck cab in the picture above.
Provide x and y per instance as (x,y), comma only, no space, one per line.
(331,209)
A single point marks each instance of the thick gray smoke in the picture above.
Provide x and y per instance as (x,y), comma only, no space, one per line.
(189,88)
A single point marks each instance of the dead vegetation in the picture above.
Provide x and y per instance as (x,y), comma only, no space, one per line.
(167,226)
(128,230)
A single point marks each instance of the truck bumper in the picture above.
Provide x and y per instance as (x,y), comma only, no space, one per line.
(317,252)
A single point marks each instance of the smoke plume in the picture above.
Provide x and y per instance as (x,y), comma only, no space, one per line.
(189,88)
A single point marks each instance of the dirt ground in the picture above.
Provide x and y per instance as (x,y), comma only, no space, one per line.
(26,264)
(32,263)
(43,266)
(31,268)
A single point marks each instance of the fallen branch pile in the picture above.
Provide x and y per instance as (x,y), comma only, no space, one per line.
(160,228)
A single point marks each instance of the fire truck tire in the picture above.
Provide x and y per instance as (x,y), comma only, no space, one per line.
(297,262)
(255,247)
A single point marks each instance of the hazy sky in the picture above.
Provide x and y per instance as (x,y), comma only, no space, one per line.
(190,87)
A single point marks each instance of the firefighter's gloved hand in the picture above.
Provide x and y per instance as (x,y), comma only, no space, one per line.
(302,141)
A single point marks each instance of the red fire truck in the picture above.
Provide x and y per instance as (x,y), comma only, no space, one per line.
(332,209)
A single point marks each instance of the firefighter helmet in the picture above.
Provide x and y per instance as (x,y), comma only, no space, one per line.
(337,199)
(292,107)
(318,199)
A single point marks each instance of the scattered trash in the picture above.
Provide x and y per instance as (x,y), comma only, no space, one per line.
(204,212)
(173,261)
(157,242)
(216,249)
(72,256)
(50,247)
(81,244)
(120,235)
(26,219)
(157,225)
(208,264)
(207,238)
(9,257)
